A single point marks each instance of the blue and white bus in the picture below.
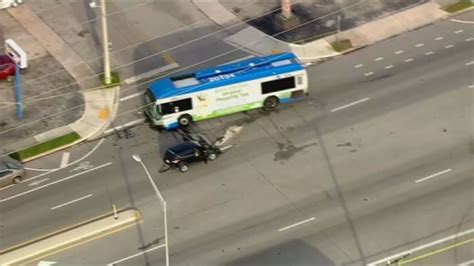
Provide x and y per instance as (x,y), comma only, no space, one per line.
(252,83)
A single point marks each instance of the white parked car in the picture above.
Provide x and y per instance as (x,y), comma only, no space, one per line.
(9,3)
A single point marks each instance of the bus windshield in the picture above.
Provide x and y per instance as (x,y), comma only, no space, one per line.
(152,108)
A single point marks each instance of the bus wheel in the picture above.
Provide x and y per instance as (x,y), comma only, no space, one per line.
(185,120)
(270,103)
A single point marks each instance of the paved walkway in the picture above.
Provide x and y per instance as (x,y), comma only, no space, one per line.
(393,25)
(259,43)
(100,105)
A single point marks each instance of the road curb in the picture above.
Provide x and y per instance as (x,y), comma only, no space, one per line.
(69,237)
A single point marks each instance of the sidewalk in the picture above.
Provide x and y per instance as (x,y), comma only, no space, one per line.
(100,105)
(259,43)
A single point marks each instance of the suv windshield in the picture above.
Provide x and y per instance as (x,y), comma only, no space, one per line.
(9,165)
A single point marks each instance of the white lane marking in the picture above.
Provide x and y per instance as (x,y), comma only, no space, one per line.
(39,169)
(433,175)
(359,65)
(126,125)
(469,39)
(410,251)
(378,59)
(350,104)
(418,45)
(135,255)
(462,21)
(466,263)
(53,183)
(399,52)
(132,96)
(64,159)
(70,202)
(151,73)
(46,263)
(296,224)
(389,66)
(429,53)
(439,38)
(469,63)
(6,187)
(56,169)
(41,175)
(409,60)
(471,86)
(449,46)
(37,182)
(86,165)
(458,31)
(368,74)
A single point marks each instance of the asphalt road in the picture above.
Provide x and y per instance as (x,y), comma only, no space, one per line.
(377,161)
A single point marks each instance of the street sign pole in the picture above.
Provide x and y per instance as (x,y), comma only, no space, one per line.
(18,96)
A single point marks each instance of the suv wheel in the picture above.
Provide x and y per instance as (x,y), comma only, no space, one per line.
(183,168)
(212,156)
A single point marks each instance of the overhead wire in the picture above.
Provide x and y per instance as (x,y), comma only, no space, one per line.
(209,59)
(200,62)
(90,60)
(141,59)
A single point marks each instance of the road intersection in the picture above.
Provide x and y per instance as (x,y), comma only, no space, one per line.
(375,163)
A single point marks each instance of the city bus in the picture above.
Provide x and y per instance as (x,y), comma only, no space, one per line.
(257,82)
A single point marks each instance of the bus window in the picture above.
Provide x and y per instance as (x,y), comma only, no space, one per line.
(278,85)
(176,106)
(299,80)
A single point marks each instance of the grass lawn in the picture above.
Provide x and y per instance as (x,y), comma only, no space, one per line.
(45,146)
(460,5)
(114,80)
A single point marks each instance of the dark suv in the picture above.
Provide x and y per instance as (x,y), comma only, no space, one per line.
(192,150)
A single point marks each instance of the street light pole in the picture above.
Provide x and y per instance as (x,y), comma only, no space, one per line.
(137,158)
(105,44)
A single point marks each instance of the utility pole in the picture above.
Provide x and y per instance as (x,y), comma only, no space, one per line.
(286,9)
(105,40)
(105,44)
(338,27)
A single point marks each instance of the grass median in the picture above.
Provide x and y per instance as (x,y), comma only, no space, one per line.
(460,5)
(45,146)
(114,80)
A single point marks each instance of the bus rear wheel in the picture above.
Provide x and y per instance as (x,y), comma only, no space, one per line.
(185,120)
(270,103)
